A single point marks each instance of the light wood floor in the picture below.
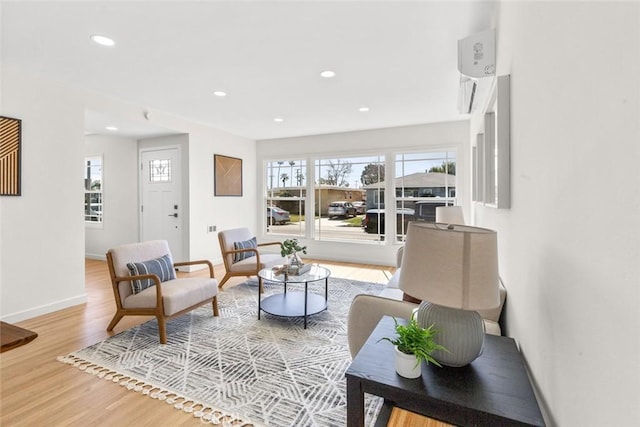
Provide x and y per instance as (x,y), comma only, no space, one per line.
(37,390)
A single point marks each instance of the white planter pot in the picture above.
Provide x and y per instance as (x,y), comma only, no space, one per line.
(406,365)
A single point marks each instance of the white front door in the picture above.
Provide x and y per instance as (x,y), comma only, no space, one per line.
(161,210)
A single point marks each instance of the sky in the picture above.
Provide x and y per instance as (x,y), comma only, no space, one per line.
(413,162)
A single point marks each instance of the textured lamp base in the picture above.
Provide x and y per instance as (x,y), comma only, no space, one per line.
(459,331)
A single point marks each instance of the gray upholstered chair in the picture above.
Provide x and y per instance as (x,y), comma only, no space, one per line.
(242,256)
(145,284)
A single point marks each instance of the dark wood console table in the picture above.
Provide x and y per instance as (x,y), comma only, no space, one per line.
(494,390)
(13,336)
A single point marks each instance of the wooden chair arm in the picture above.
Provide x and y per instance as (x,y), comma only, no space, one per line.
(202,261)
(270,243)
(235,251)
(257,252)
(154,277)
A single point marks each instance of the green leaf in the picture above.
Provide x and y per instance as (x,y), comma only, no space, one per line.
(414,339)
(290,247)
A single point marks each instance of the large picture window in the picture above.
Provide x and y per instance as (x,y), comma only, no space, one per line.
(346,197)
(93,190)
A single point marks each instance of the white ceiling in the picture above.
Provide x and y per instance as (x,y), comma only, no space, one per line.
(397,58)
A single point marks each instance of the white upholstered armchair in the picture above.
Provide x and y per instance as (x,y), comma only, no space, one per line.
(145,284)
(242,255)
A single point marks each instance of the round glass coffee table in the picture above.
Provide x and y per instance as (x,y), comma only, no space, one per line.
(294,303)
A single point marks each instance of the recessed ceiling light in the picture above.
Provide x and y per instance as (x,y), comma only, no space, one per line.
(363,109)
(220,93)
(278,120)
(327,74)
(102,40)
(111,128)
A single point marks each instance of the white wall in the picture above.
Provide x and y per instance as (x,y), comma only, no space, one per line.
(42,231)
(120,196)
(205,208)
(45,227)
(203,143)
(569,246)
(388,141)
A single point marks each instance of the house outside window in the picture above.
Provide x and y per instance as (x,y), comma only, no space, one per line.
(424,181)
(93,186)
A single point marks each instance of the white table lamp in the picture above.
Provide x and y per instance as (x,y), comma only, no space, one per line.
(450,215)
(454,271)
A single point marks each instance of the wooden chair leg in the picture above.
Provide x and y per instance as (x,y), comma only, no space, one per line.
(116,318)
(214,302)
(226,277)
(162,329)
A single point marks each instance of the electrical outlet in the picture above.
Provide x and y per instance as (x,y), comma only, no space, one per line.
(212,228)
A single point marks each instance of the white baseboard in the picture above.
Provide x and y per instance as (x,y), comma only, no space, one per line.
(99,257)
(44,309)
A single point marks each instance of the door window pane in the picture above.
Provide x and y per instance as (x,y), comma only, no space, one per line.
(160,170)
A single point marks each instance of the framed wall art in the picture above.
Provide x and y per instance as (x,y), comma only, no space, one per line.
(10,153)
(227,176)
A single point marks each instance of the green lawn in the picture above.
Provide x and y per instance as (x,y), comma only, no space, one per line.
(351,222)
(356,221)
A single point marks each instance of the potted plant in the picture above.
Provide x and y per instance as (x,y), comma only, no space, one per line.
(413,344)
(290,248)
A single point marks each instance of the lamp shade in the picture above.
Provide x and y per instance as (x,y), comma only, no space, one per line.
(454,266)
(450,215)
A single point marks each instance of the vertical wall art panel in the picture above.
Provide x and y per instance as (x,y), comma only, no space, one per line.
(503,142)
(478,169)
(228,176)
(10,138)
(492,175)
(490,184)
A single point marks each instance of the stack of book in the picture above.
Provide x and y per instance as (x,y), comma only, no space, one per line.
(297,270)
(291,270)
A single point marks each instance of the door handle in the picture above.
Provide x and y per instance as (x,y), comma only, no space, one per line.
(175,215)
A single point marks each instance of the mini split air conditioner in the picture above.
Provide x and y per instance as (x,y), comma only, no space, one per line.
(477,64)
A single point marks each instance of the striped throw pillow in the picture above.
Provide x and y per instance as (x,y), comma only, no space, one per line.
(239,256)
(161,267)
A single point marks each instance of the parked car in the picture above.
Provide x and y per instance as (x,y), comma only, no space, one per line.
(424,210)
(360,206)
(373,221)
(342,209)
(275,215)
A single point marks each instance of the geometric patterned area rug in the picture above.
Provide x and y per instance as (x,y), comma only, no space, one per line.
(236,370)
